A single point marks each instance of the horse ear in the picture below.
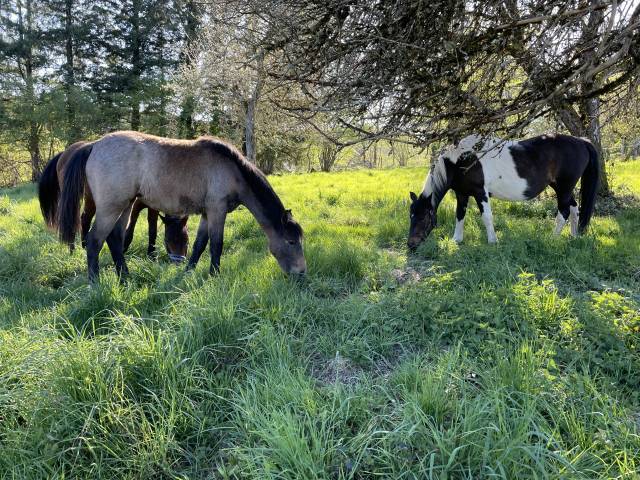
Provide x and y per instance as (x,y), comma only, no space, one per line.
(184,220)
(413,196)
(286,216)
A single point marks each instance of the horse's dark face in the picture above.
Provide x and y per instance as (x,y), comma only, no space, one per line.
(176,237)
(286,245)
(422,218)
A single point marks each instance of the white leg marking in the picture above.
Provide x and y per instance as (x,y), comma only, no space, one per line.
(573,217)
(560,223)
(487,218)
(459,231)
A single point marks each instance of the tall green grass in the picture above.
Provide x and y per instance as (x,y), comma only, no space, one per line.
(516,360)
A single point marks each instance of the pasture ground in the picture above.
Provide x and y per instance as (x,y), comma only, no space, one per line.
(475,361)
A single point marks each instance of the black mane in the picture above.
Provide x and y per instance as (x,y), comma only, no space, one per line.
(272,205)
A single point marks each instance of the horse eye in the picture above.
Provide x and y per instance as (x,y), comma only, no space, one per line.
(291,242)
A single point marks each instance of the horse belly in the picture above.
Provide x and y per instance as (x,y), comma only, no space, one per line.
(506,184)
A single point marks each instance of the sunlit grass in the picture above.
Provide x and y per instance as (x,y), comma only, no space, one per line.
(516,360)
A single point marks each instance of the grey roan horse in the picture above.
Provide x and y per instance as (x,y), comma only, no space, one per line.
(180,177)
(176,237)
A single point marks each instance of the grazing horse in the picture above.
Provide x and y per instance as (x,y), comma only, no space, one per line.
(176,238)
(181,177)
(511,170)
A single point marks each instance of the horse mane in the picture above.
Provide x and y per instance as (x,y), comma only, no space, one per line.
(256,180)
(437,182)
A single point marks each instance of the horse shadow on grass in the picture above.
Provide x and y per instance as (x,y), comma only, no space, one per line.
(576,294)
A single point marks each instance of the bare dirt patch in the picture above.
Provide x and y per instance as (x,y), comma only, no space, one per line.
(341,370)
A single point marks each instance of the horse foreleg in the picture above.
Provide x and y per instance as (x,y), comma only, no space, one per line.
(200,243)
(461,210)
(138,206)
(216,235)
(152,219)
(487,216)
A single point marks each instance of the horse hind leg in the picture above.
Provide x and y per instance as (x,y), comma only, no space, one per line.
(566,205)
(85,219)
(105,221)
(574,212)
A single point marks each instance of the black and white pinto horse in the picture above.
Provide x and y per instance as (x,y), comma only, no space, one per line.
(481,168)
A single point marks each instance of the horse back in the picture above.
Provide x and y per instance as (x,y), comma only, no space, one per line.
(549,160)
(179,177)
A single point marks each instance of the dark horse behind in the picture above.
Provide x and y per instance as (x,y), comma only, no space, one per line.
(180,177)
(481,168)
(176,238)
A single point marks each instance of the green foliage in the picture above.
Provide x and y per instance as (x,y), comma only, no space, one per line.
(516,360)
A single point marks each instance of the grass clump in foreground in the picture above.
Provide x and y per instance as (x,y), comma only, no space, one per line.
(463,361)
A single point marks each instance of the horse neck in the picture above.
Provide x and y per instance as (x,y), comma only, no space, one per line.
(261,213)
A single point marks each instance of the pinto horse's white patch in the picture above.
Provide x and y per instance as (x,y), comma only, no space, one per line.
(458,234)
(501,177)
(487,218)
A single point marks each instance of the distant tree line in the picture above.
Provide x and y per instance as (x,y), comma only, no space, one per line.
(307,79)
(71,69)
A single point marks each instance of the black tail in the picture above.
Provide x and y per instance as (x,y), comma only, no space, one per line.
(589,188)
(72,190)
(48,191)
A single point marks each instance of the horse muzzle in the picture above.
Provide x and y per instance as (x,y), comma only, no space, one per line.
(176,258)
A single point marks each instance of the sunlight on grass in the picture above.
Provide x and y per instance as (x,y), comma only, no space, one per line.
(516,360)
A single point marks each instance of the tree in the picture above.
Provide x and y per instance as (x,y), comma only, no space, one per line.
(438,70)
(22,57)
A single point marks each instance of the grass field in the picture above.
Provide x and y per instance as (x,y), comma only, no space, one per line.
(474,361)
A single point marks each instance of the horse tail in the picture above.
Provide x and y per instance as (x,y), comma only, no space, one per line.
(73,187)
(589,188)
(49,191)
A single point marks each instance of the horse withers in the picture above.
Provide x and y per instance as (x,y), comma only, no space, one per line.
(480,168)
(176,237)
(180,177)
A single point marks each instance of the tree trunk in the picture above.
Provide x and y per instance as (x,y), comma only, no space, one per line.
(26,39)
(249,130)
(589,128)
(185,120)
(69,82)
(250,119)
(136,66)
(594,133)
